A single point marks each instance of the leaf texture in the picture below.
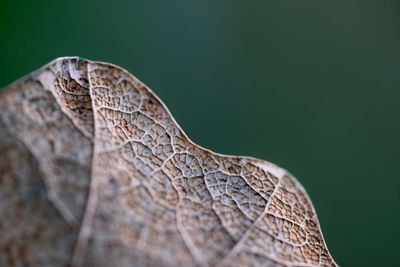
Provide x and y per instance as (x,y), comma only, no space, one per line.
(94,171)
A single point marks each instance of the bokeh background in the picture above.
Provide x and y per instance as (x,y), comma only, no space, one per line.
(313,86)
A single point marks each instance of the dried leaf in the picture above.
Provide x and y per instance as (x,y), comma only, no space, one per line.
(96,172)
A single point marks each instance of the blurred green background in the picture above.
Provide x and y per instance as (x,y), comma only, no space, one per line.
(312,86)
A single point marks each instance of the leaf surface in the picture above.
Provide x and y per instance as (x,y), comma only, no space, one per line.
(96,172)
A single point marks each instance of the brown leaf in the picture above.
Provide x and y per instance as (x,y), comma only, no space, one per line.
(96,172)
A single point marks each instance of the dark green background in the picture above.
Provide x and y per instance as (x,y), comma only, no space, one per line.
(313,86)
